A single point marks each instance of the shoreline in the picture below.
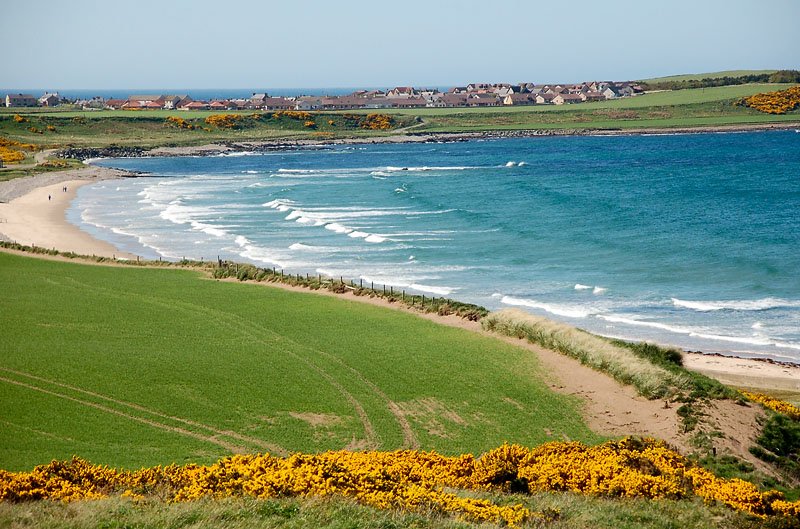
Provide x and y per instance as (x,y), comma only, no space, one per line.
(33,212)
(228,147)
(27,217)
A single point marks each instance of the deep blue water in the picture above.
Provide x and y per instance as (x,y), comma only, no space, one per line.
(691,240)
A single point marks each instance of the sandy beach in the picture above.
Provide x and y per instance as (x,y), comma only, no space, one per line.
(35,212)
(28,217)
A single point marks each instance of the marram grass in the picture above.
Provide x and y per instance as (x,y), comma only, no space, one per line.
(622,363)
(414,481)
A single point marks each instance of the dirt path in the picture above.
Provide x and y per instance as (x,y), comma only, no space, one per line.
(39,158)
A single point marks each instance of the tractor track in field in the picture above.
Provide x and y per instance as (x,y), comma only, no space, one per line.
(372,440)
(228,446)
(271,447)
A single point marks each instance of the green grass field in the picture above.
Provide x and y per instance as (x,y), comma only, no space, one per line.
(132,367)
(708,75)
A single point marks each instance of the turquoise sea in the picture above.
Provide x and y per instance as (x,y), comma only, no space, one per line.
(689,239)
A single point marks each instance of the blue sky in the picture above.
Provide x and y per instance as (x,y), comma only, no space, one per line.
(242,43)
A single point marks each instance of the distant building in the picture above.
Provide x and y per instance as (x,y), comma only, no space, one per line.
(401,91)
(308,103)
(20,100)
(49,100)
(566,99)
(196,105)
(258,100)
(410,102)
(115,104)
(142,100)
(519,99)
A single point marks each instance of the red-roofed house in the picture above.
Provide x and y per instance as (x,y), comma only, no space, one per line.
(115,104)
(196,105)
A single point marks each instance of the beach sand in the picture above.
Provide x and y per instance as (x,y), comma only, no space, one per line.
(38,218)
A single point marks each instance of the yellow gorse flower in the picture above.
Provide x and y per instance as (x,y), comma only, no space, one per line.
(772,403)
(413,480)
(779,102)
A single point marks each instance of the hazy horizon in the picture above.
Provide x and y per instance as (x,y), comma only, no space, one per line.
(318,44)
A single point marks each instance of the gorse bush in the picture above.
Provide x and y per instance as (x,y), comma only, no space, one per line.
(651,380)
(774,404)
(413,480)
(779,102)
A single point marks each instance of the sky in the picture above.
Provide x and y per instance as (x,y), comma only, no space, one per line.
(82,44)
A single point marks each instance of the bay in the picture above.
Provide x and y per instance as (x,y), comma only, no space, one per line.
(691,240)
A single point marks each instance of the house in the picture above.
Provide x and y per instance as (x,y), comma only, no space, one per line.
(503,91)
(592,96)
(428,94)
(545,98)
(482,100)
(452,100)
(624,90)
(239,104)
(411,102)
(342,102)
(132,105)
(258,100)
(158,104)
(143,100)
(458,90)
(93,103)
(518,99)
(609,91)
(20,100)
(49,100)
(401,91)
(308,103)
(219,105)
(379,102)
(115,104)
(475,87)
(566,99)
(196,105)
(174,101)
(277,103)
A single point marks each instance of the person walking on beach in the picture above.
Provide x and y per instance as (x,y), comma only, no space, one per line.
(49,197)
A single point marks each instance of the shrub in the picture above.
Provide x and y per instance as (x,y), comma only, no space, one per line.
(779,102)
(226,121)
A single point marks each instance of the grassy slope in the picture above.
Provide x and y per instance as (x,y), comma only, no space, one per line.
(244,358)
(710,75)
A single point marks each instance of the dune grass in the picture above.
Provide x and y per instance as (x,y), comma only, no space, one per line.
(650,380)
(656,372)
(133,367)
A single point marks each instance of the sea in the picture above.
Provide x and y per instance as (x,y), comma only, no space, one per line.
(691,240)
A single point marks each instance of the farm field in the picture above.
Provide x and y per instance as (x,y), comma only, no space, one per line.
(131,367)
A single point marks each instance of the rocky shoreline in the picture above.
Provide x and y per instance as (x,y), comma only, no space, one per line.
(227,147)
